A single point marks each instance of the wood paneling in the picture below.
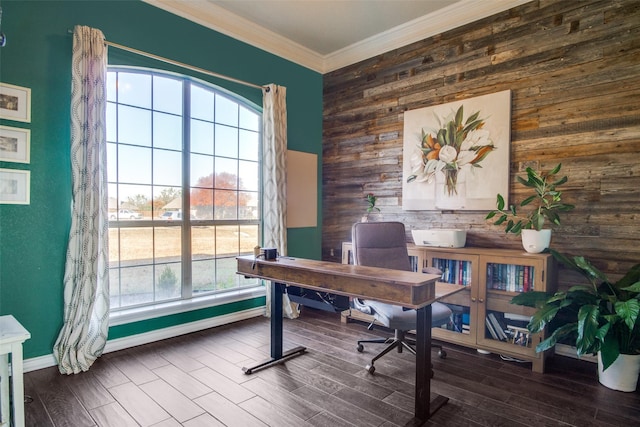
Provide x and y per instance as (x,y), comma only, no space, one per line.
(574,72)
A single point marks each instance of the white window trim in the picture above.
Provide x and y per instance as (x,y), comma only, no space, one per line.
(161,309)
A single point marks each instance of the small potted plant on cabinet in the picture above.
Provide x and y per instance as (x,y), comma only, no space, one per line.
(371,208)
(600,318)
(544,204)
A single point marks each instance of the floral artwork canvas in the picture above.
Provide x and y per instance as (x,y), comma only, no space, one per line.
(456,155)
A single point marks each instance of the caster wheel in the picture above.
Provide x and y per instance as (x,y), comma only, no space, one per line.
(360,348)
(442,354)
(370,368)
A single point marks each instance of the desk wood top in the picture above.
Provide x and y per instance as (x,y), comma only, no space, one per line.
(405,288)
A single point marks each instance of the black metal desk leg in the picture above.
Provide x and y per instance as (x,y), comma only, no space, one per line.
(276,320)
(277,355)
(424,407)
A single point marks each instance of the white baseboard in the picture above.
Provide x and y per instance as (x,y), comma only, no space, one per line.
(569,351)
(48,360)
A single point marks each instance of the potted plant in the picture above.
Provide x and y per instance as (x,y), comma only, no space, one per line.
(372,208)
(600,318)
(544,204)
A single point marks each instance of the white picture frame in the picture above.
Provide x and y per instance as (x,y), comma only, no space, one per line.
(15,103)
(15,144)
(14,186)
(482,183)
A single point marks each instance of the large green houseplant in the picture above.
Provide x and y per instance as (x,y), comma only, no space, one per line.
(603,316)
(545,204)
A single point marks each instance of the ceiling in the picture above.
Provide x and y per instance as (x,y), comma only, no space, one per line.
(325,35)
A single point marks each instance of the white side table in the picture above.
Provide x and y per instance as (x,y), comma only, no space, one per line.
(12,335)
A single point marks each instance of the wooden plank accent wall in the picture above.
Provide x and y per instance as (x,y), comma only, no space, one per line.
(574,71)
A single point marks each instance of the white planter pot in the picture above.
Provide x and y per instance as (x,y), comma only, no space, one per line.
(622,375)
(534,241)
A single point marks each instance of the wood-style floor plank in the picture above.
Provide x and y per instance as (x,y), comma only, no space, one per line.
(138,404)
(227,412)
(196,380)
(188,385)
(171,400)
(283,399)
(112,415)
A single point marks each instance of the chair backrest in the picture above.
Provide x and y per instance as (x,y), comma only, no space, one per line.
(380,244)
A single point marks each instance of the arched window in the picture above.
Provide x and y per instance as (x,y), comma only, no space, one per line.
(184,187)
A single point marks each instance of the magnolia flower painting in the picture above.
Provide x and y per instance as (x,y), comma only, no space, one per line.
(456,155)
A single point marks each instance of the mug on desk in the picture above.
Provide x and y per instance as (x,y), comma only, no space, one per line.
(270,254)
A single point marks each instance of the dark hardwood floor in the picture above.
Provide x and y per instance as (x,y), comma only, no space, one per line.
(196,380)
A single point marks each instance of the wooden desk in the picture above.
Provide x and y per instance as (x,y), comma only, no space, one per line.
(12,335)
(408,289)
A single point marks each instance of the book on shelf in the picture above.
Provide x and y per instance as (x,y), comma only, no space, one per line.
(497,326)
(490,328)
(454,271)
(518,317)
(510,277)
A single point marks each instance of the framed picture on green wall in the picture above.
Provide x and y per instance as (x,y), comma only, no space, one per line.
(14,144)
(14,186)
(15,103)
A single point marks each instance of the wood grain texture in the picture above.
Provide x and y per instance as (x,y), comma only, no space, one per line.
(574,72)
(327,386)
(406,288)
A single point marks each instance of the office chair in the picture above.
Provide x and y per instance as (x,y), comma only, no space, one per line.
(384,244)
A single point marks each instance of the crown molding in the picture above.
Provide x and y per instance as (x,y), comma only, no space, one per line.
(218,19)
(221,20)
(456,15)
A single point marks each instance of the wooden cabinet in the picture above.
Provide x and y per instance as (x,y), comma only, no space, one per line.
(483,317)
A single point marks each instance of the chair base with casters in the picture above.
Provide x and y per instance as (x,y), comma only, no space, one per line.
(401,321)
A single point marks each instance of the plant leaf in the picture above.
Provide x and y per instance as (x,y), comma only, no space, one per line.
(560,181)
(517,228)
(586,342)
(609,351)
(540,319)
(530,299)
(633,288)
(559,333)
(524,182)
(500,220)
(628,311)
(534,179)
(556,169)
(630,278)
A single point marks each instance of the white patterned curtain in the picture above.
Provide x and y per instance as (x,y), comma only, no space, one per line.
(274,136)
(86,279)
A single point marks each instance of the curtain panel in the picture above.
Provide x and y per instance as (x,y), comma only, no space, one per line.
(274,137)
(86,280)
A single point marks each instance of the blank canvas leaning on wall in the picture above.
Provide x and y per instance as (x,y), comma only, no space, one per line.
(302,189)
(465,141)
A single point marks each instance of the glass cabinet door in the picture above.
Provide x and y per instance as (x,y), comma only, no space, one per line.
(459,269)
(505,324)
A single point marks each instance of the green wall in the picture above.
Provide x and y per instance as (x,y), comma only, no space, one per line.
(33,238)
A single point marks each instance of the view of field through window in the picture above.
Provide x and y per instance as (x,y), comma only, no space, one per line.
(161,246)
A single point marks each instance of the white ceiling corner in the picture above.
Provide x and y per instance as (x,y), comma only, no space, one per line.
(453,14)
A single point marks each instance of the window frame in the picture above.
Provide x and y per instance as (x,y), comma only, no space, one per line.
(187,300)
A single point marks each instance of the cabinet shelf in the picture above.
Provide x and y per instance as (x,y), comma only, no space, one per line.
(483,316)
